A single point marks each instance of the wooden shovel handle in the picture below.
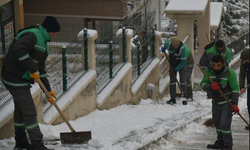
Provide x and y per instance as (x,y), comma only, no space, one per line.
(58,109)
(245,88)
(222,93)
(172,69)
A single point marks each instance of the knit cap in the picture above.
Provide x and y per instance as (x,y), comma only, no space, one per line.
(245,54)
(220,44)
(51,24)
(175,41)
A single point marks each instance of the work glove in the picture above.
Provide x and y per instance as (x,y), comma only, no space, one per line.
(35,76)
(236,109)
(163,49)
(242,90)
(175,71)
(51,100)
(215,86)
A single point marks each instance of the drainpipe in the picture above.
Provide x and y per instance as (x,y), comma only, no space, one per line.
(152,90)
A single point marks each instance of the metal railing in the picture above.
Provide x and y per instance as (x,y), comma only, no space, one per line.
(109,60)
(143,54)
(68,68)
(239,44)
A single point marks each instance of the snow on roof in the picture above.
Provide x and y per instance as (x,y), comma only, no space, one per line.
(216,11)
(186,5)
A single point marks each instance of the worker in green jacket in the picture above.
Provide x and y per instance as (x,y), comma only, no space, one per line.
(181,59)
(224,79)
(215,48)
(245,74)
(24,64)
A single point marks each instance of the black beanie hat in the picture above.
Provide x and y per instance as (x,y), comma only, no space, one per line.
(51,24)
(220,44)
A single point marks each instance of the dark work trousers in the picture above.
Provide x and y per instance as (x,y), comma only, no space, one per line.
(222,116)
(25,118)
(182,82)
(190,66)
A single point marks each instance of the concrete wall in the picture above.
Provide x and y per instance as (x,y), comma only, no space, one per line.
(7,128)
(83,103)
(203,38)
(121,94)
(142,92)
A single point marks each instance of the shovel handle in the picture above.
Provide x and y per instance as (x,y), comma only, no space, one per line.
(58,109)
(222,94)
(172,69)
(245,88)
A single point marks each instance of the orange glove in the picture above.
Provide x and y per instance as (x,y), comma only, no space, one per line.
(51,100)
(35,76)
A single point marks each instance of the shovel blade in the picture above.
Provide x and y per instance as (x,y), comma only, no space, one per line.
(75,137)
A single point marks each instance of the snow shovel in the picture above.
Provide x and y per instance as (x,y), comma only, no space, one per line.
(172,69)
(72,137)
(210,122)
(223,95)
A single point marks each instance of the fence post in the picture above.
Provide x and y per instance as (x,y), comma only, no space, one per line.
(64,67)
(85,50)
(111,59)
(138,59)
(123,44)
(153,43)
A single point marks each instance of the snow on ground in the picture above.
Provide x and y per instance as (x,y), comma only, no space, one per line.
(129,126)
(197,136)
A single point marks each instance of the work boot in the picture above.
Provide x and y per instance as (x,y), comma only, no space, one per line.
(184,102)
(41,148)
(247,128)
(227,148)
(189,97)
(22,146)
(171,101)
(216,145)
(184,98)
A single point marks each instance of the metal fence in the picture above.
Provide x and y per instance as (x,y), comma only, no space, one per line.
(143,54)
(110,58)
(239,44)
(66,68)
